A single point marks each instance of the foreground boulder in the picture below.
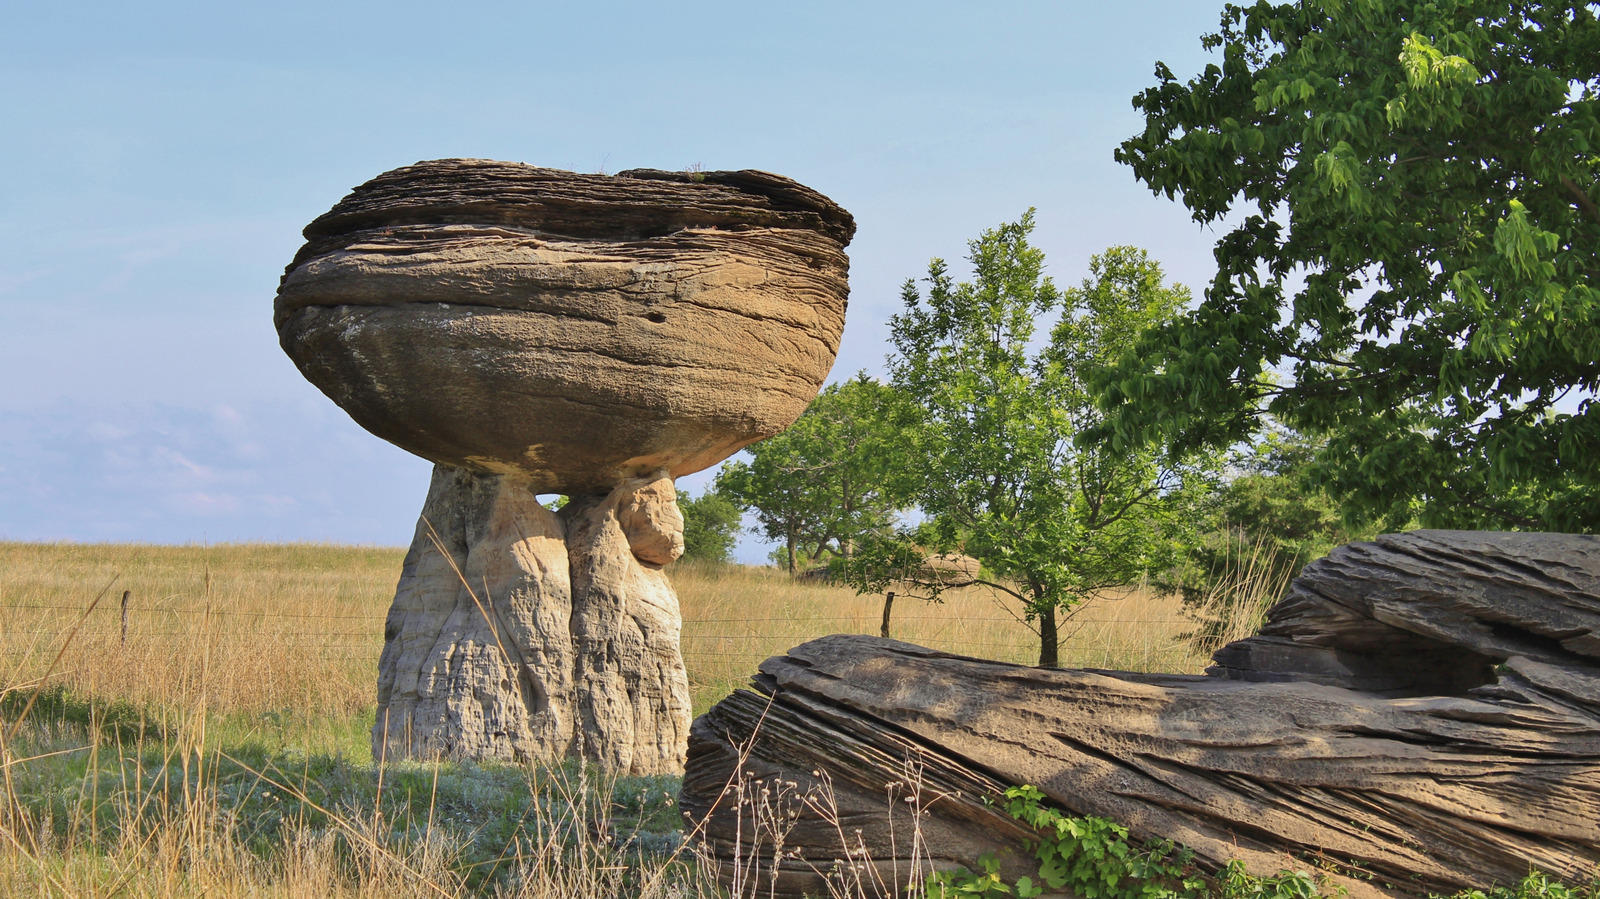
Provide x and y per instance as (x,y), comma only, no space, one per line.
(534,332)
(1421,714)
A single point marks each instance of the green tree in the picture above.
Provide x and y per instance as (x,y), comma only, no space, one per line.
(1054,521)
(839,473)
(710,525)
(1262,525)
(1409,189)
(1273,500)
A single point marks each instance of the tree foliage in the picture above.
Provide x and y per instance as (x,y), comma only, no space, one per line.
(1409,190)
(710,525)
(1272,501)
(1265,522)
(1003,478)
(838,474)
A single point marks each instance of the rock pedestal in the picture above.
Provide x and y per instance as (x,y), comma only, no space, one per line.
(525,635)
(534,331)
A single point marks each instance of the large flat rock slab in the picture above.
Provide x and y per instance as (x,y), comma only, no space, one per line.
(1434,725)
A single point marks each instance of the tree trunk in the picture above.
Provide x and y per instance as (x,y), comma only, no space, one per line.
(789,542)
(520,634)
(1049,639)
(1420,714)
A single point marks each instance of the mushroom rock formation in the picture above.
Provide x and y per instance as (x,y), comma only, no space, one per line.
(532,332)
(1420,715)
(950,568)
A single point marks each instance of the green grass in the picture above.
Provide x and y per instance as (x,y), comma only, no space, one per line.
(101,786)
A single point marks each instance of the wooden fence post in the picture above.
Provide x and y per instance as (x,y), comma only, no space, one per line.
(888,603)
(125,595)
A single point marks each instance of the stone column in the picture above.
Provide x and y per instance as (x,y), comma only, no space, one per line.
(533,331)
(525,635)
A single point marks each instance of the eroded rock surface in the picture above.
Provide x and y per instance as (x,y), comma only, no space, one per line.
(478,660)
(534,331)
(651,522)
(633,707)
(570,330)
(1422,714)
(525,635)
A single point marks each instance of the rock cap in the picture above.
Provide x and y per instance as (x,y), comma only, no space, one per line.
(569,330)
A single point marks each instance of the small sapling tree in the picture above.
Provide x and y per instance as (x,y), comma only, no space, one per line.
(710,525)
(1003,477)
(839,474)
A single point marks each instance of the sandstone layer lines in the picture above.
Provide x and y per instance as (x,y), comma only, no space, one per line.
(1424,717)
(571,330)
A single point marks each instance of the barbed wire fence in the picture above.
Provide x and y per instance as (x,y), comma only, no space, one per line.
(353,636)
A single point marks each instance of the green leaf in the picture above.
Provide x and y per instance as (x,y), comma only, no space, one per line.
(1425,184)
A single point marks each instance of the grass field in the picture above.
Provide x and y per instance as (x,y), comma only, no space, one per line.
(213,740)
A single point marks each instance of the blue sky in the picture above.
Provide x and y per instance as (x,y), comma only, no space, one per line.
(160,160)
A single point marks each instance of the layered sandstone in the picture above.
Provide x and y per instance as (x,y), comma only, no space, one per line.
(1420,716)
(533,332)
(569,330)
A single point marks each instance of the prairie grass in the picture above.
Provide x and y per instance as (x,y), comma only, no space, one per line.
(734,617)
(218,746)
(281,626)
(294,630)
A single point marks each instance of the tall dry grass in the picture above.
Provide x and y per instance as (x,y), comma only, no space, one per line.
(277,635)
(299,626)
(281,626)
(1248,578)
